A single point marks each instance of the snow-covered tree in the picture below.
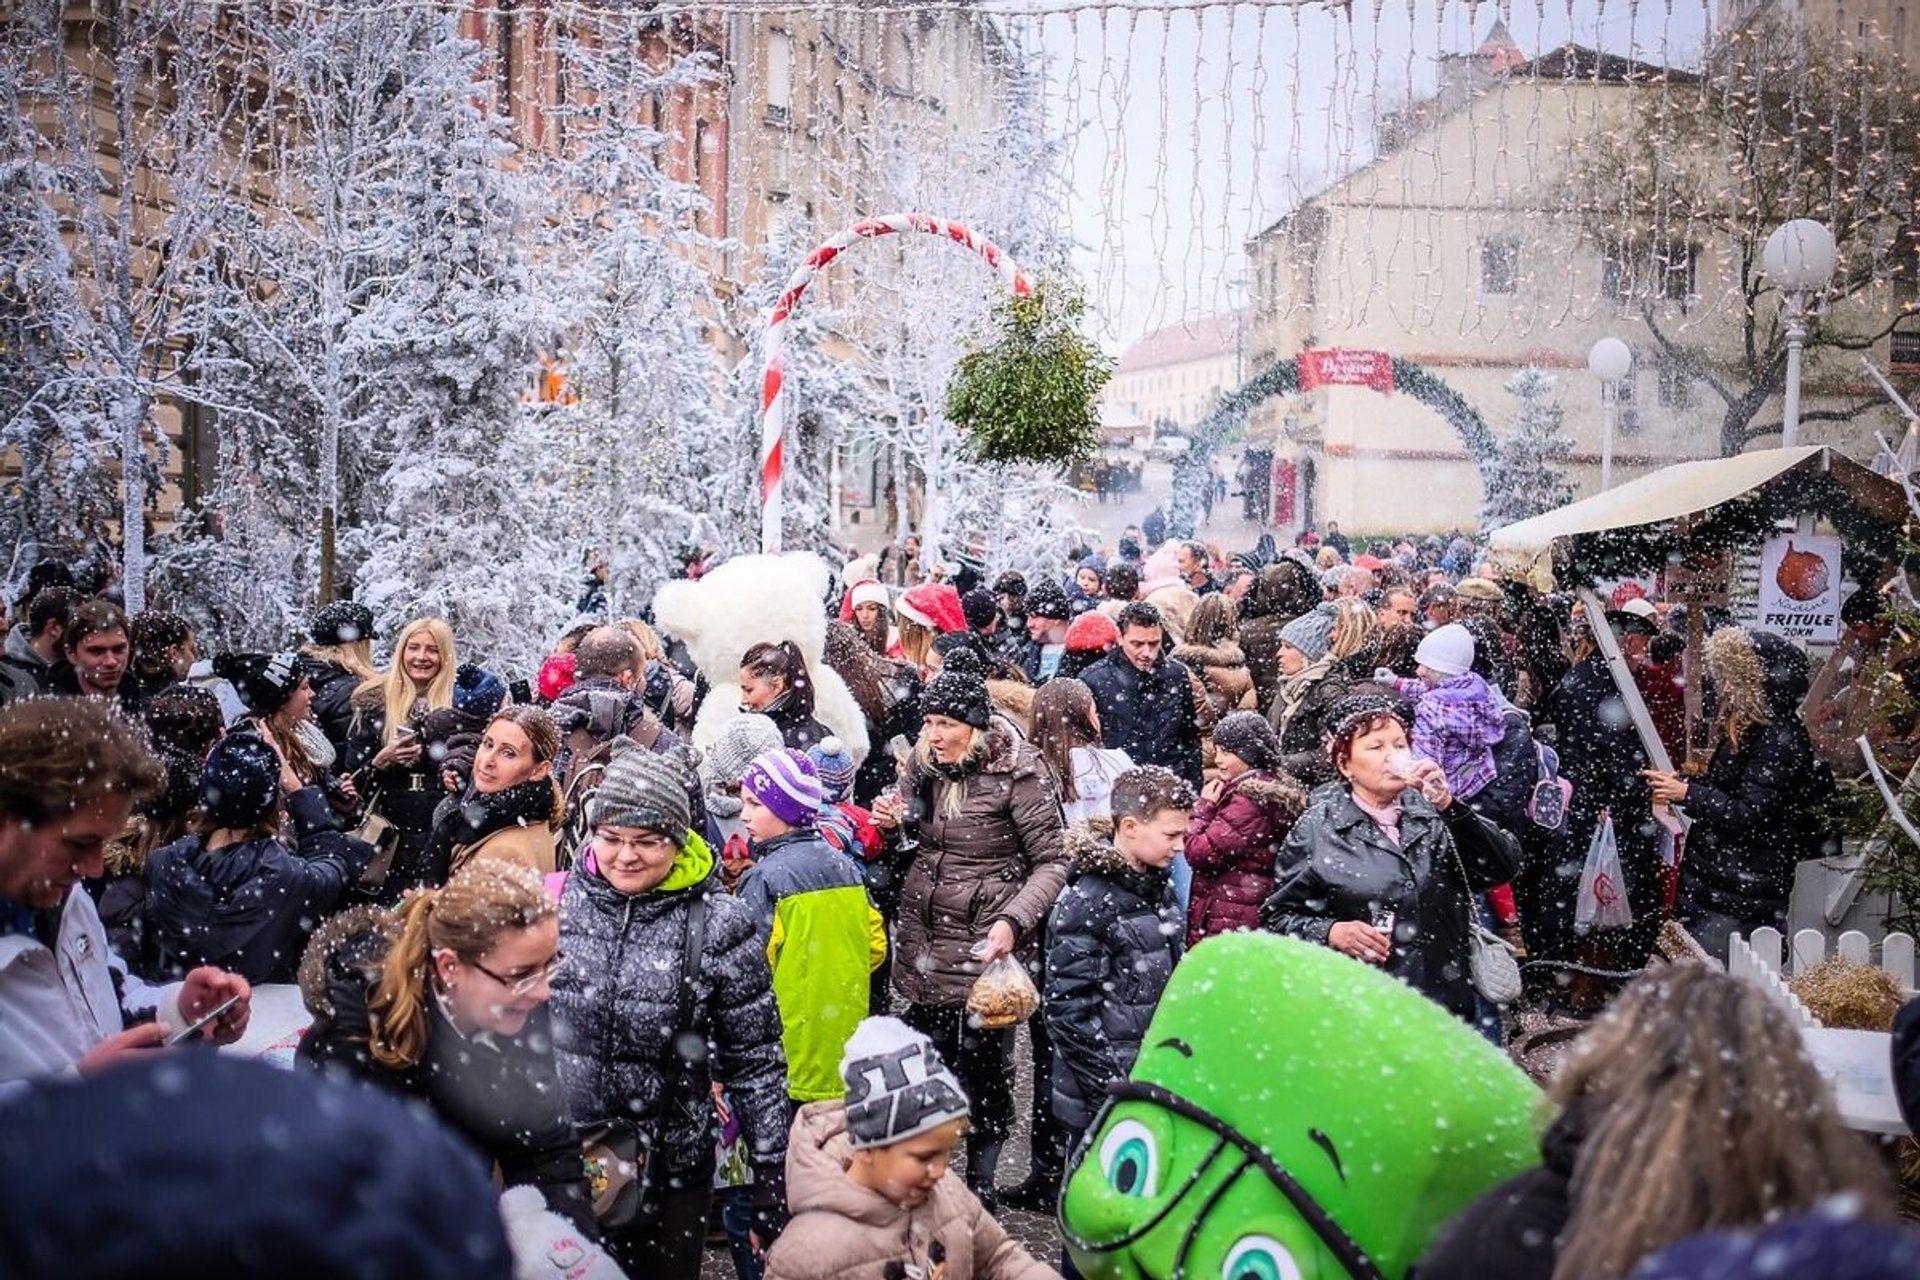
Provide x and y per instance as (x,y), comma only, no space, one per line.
(1528,475)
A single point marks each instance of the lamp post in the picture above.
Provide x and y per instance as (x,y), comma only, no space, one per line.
(1609,360)
(1799,257)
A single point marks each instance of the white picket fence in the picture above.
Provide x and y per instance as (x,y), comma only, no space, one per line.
(1857,1064)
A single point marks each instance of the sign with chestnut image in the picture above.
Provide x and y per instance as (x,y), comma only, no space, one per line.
(1800,587)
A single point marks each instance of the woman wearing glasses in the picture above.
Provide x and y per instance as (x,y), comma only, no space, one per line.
(666,994)
(445,999)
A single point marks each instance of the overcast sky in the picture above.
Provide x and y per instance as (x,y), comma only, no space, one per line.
(1197,129)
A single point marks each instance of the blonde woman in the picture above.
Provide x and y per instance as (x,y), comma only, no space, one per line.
(1689,1106)
(338,659)
(445,1000)
(987,816)
(392,769)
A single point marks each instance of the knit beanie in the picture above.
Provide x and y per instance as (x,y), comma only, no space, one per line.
(868,593)
(1012,584)
(1248,735)
(897,1085)
(342,622)
(1092,632)
(641,789)
(1310,633)
(959,692)
(266,682)
(1047,600)
(785,782)
(745,734)
(556,676)
(478,692)
(980,608)
(1097,563)
(240,782)
(835,768)
(1447,650)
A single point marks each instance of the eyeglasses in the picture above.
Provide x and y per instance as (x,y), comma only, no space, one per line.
(526,982)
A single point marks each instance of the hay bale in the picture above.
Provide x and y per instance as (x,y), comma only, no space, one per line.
(1848,995)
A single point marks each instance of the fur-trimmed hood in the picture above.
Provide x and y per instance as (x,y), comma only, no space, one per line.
(1090,849)
(1221,653)
(1278,793)
(356,940)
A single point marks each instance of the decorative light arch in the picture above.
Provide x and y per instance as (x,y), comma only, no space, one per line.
(773,400)
(1191,472)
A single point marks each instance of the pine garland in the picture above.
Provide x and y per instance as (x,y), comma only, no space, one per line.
(1029,393)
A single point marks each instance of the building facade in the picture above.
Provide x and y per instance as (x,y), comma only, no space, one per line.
(1173,378)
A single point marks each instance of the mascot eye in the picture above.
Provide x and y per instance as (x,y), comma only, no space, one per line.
(1131,1159)
(1260,1258)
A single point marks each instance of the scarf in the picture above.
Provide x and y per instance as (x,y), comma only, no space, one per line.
(1386,818)
(477,815)
(1295,691)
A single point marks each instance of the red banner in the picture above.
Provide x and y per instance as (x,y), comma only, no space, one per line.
(1334,367)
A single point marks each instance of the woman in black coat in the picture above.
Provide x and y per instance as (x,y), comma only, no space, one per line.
(393,770)
(1384,869)
(446,1001)
(775,682)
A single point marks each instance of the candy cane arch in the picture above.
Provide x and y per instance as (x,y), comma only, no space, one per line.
(773,400)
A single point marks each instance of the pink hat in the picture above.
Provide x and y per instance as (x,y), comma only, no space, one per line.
(556,676)
(935,605)
(1373,563)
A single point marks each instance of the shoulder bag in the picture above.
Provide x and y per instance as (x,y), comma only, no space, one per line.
(385,839)
(1490,963)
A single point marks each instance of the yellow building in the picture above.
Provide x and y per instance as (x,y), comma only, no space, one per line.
(1176,375)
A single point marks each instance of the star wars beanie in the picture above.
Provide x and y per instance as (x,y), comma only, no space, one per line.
(897,1085)
(641,789)
(785,782)
(240,782)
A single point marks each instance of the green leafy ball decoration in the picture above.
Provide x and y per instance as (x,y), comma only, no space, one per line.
(1027,394)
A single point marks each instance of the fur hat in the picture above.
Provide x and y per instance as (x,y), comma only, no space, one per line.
(835,767)
(1092,632)
(785,782)
(745,735)
(1447,650)
(1247,734)
(959,692)
(342,622)
(266,682)
(1047,600)
(641,789)
(240,782)
(934,605)
(1310,633)
(897,1085)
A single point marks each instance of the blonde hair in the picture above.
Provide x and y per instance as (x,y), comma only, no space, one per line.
(1702,1112)
(1354,623)
(1740,682)
(355,658)
(651,649)
(483,901)
(956,793)
(394,692)
(916,641)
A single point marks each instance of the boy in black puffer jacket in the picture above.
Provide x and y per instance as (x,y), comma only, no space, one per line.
(1113,939)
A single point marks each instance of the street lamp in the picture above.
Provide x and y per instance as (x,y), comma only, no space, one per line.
(1610,360)
(1799,257)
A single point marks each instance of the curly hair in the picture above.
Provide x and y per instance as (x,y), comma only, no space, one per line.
(1739,680)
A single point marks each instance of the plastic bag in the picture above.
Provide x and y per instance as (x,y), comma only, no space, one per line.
(1603,890)
(1003,995)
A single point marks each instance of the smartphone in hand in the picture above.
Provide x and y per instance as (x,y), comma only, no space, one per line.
(194,1028)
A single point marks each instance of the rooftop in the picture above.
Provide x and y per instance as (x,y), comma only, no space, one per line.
(1205,339)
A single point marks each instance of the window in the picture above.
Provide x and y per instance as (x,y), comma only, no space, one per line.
(1499,265)
(1635,270)
(779,78)
(1676,383)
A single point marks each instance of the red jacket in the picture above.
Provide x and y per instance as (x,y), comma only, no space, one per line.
(1231,847)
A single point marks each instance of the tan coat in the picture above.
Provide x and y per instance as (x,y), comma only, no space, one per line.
(531,845)
(842,1231)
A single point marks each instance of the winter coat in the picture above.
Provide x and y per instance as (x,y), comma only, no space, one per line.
(999,857)
(842,1231)
(1112,942)
(1743,844)
(27,672)
(1151,715)
(1512,1231)
(1222,668)
(1231,845)
(501,1093)
(1094,772)
(901,719)
(594,712)
(823,939)
(1300,714)
(333,687)
(249,907)
(615,1003)
(1338,865)
(407,796)
(515,825)
(797,725)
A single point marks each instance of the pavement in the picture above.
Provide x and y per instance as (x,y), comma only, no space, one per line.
(1108,519)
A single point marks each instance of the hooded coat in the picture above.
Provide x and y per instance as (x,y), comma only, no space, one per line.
(333,687)
(1231,845)
(249,907)
(615,1004)
(1282,593)
(997,856)
(1222,669)
(842,1231)
(1112,942)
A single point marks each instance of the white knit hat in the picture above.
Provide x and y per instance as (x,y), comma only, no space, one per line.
(870,593)
(897,1086)
(1448,650)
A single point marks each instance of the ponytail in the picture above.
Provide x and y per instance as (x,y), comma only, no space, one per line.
(398,1011)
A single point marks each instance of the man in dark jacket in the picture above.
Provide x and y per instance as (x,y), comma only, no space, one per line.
(1145,698)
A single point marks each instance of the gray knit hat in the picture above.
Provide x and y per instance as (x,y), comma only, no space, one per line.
(1248,735)
(641,789)
(1310,633)
(745,735)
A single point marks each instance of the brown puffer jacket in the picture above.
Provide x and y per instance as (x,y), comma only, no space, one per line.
(841,1230)
(1222,671)
(999,857)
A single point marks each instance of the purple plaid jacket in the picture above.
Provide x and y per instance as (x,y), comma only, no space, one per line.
(1456,724)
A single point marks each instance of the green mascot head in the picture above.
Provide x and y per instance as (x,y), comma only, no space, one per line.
(1294,1115)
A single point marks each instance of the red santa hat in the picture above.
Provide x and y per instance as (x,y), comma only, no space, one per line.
(935,605)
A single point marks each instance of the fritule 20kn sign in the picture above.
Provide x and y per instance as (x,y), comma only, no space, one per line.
(1800,587)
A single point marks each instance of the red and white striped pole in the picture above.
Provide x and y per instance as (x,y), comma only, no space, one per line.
(773,400)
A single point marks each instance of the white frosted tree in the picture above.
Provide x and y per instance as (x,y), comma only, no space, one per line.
(1528,476)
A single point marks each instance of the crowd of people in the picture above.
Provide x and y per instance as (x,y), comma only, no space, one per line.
(677,966)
